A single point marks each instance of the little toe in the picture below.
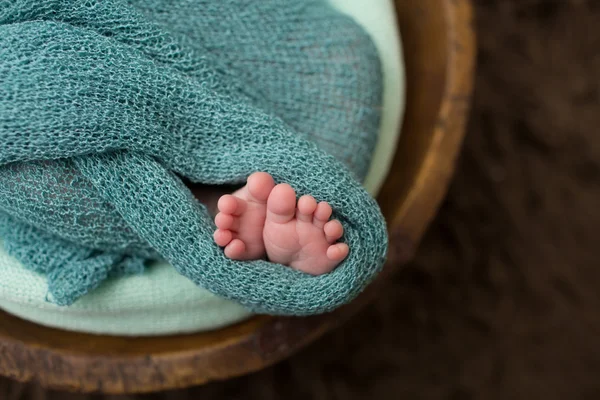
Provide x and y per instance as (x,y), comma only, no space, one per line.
(337,252)
(222,237)
(260,185)
(281,205)
(229,204)
(333,231)
(224,221)
(322,214)
(306,207)
(235,249)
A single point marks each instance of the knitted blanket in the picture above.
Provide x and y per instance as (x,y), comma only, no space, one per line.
(106,104)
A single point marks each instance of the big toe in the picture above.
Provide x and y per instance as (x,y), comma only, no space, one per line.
(281,205)
(260,185)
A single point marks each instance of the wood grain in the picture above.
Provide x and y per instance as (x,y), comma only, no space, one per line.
(439,42)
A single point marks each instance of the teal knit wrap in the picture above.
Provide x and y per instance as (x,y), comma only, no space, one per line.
(105,104)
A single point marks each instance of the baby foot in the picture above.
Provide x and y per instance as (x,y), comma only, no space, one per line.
(302,237)
(241,218)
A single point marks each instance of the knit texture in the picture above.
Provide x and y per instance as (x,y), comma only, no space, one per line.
(104,105)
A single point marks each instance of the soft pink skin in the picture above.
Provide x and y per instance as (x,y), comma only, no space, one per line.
(263,219)
(241,219)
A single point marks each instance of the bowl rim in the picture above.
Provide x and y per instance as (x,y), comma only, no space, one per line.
(117,365)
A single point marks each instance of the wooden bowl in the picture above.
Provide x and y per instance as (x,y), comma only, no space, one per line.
(439,49)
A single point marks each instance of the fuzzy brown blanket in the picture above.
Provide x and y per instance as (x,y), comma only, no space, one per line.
(503,300)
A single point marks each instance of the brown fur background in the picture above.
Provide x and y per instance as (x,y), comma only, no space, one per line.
(502,301)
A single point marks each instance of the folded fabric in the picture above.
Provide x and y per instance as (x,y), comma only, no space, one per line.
(105,104)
